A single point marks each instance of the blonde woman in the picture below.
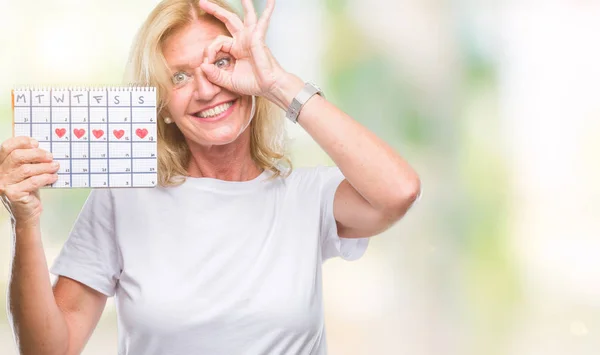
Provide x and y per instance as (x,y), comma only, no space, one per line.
(225,256)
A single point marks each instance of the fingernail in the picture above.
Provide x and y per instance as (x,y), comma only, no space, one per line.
(34,143)
(55,164)
(49,155)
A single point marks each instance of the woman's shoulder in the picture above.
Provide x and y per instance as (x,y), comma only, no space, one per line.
(314,176)
(315,172)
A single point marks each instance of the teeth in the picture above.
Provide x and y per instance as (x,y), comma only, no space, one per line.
(215,110)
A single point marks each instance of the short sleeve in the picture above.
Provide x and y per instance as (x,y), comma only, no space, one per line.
(90,255)
(331,244)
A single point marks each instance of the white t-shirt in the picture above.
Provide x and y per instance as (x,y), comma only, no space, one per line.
(212,266)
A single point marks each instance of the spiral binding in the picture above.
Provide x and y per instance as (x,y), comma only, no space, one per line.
(87,88)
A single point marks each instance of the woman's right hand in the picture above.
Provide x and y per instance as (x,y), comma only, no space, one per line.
(24,168)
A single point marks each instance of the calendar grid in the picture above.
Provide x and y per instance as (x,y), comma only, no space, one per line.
(131,129)
(107,140)
(70,138)
(88,133)
(31,115)
(44,123)
(51,121)
(47,106)
(115,173)
(89,120)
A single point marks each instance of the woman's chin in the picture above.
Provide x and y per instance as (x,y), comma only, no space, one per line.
(221,136)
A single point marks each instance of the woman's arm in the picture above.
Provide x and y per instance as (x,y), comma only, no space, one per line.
(380,185)
(44,320)
(38,324)
(47,320)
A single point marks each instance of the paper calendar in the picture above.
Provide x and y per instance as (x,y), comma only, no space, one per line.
(102,138)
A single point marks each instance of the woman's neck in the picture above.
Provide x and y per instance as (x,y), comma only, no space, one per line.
(231,162)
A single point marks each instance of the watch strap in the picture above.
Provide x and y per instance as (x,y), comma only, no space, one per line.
(308,91)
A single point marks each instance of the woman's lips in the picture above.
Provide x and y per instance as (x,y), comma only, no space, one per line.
(218,117)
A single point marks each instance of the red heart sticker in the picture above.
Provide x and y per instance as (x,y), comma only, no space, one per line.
(60,132)
(98,133)
(141,132)
(118,133)
(79,132)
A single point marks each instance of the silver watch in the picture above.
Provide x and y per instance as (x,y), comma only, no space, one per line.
(303,96)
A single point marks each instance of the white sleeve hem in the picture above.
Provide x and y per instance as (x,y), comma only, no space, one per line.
(348,249)
(351,249)
(81,275)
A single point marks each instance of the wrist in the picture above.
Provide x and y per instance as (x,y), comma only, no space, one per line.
(285,90)
(26,226)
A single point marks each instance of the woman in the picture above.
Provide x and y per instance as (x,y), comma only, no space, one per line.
(225,256)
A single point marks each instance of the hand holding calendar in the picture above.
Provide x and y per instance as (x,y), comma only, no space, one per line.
(24,168)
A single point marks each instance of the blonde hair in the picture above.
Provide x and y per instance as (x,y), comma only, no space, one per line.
(147,66)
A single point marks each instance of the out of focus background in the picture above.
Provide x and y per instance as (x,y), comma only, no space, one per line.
(495,103)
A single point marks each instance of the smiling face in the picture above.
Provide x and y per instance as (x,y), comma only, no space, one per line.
(206,114)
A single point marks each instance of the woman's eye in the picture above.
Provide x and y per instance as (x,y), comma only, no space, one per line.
(179,78)
(223,62)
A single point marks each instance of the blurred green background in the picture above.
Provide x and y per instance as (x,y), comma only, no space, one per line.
(497,106)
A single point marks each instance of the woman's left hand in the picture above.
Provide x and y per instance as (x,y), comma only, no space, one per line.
(255,71)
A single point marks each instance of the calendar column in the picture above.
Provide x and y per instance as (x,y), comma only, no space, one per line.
(22,115)
(60,133)
(144,133)
(80,146)
(97,105)
(119,146)
(40,118)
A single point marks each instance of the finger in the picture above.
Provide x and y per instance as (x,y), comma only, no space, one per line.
(20,192)
(217,76)
(219,44)
(28,170)
(265,18)
(249,12)
(231,20)
(11,144)
(27,156)
(265,62)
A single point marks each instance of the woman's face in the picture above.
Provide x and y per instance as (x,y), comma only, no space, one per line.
(205,113)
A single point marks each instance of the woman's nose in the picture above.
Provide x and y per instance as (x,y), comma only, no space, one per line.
(204,89)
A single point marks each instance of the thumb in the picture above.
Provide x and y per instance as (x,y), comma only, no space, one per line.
(216,75)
